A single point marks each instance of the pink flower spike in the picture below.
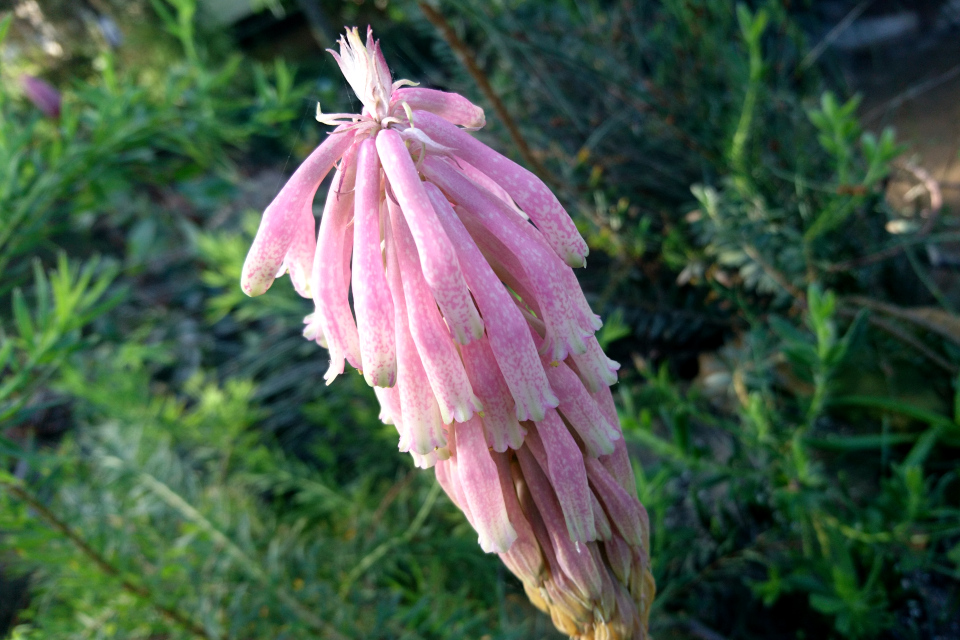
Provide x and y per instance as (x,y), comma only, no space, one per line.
(452,107)
(434,347)
(278,227)
(330,276)
(559,456)
(487,217)
(371,296)
(422,422)
(478,480)
(508,338)
(525,188)
(44,95)
(437,258)
(499,417)
(581,410)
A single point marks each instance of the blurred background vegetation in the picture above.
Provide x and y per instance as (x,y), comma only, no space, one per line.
(777,272)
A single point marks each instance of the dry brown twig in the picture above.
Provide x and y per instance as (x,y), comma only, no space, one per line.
(469,60)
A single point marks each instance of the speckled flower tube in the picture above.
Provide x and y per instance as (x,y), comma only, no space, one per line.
(469,323)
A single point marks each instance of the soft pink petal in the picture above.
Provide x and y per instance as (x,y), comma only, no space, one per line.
(595,368)
(581,410)
(441,361)
(278,227)
(437,258)
(422,422)
(371,296)
(499,415)
(525,188)
(330,276)
(452,107)
(559,456)
(571,557)
(480,483)
(623,509)
(299,258)
(487,216)
(484,181)
(524,557)
(617,463)
(509,341)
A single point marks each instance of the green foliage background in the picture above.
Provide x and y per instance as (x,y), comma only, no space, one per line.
(171,465)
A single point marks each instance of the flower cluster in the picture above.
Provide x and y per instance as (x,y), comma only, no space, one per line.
(469,323)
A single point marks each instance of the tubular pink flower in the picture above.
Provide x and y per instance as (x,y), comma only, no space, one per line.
(485,216)
(506,330)
(45,96)
(524,187)
(422,422)
(559,456)
(581,410)
(478,473)
(442,363)
(278,225)
(330,276)
(524,557)
(570,555)
(597,370)
(371,296)
(499,417)
(437,258)
(298,261)
(451,107)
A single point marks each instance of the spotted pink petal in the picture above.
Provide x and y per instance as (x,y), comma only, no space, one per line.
(330,276)
(509,341)
(524,557)
(623,508)
(278,227)
(479,479)
(422,422)
(299,258)
(484,181)
(436,349)
(486,216)
(596,370)
(571,557)
(499,415)
(581,410)
(438,261)
(371,296)
(526,189)
(559,456)
(452,107)
(618,462)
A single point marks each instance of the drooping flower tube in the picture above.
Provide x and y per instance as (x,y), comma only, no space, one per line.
(469,323)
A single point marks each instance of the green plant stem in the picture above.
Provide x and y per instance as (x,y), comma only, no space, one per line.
(170,613)
(368,561)
(252,568)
